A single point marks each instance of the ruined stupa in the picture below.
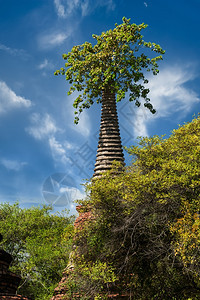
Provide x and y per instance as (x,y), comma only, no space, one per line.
(109,150)
(9,281)
(109,146)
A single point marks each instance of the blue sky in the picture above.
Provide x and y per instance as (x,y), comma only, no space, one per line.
(44,157)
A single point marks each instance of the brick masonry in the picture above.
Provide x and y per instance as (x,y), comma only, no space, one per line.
(109,150)
(60,292)
(9,281)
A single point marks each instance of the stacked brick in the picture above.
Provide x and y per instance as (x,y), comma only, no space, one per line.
(109,146)
(61,290)
(109,150)
(82,218)
(9,282)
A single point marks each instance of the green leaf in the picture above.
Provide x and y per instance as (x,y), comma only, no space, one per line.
(115,57)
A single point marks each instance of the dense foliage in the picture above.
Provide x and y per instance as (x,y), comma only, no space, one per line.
(39,242)
(118,61)
(143,239)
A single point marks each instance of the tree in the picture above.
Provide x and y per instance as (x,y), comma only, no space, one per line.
(39,243)
(116,62)
(115,65)
(143,239)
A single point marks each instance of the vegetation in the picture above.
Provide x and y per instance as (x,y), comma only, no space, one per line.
(144,237)
(39,242)
(116,62)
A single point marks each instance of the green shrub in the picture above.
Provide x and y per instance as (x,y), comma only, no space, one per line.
(39,242)
(145,231)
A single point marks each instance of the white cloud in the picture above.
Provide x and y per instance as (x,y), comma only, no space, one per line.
(145,4)
(85,8)
(84,125)
(52,39)
(60,8)
(169,95)
(13,165)
(42,126)
(140,118)
(65,8)
(61,193)
(9,100)
(58,151)
(15,52)
(73,192)
(45,65)
(67,145)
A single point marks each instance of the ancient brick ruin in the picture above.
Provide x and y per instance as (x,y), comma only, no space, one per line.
(9,281)
(109,150)
(60,293)
(109,146)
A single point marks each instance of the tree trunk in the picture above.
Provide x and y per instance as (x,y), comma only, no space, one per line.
(109,147)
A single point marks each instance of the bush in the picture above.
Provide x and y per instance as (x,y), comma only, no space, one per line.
(144,237)
(40,243)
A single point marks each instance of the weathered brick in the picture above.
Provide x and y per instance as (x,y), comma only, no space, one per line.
(9,281)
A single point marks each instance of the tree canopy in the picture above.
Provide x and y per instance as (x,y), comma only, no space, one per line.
(144,238)
(118,60)
(39,243)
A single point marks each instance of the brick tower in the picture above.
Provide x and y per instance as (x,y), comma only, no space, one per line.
(109,147)
(109,150)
